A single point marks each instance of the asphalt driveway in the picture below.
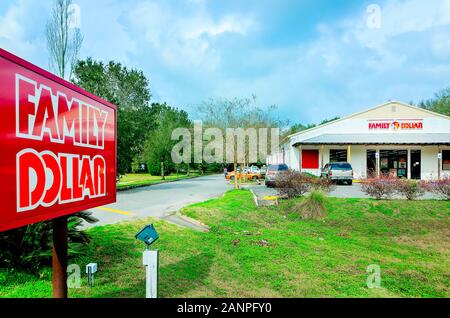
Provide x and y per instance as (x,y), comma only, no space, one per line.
(161,200)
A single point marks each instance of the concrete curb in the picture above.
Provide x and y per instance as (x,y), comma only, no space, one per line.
(255,198)
(153,184)
(193,221)
(180,220)
(261,202)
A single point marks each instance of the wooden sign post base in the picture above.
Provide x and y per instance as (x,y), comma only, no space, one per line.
(59,258)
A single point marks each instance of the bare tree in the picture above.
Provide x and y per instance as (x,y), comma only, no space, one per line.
(237,113)
(63,39)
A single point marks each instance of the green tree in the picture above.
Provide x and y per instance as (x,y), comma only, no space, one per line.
(296,128)
(159,144)
(326,121)
(129,90)
(439,104)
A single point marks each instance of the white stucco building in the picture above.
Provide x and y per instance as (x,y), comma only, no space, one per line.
(393,138)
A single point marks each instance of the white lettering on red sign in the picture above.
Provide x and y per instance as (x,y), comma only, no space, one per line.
(45,178)
(40,112)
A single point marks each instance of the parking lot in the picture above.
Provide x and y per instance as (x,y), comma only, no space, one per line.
(355,191)
(346,191)
(340,191)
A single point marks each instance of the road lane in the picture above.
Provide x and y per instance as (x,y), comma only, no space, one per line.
(160,200)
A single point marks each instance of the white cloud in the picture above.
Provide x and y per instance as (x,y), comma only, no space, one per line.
(106,36)
(399,18)
(347,66)
(186,40)
(191,51)
(10,26)
(202,25)
(22,31)
(440,45)
(411,31)
(15,24)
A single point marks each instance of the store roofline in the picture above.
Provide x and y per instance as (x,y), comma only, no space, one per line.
(367,144)
(363,112)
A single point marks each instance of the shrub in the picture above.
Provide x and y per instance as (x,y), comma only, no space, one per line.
(313,207)
(410,189)
(323,184)
(293,184)
(30,247)
(378,188)
(440,187)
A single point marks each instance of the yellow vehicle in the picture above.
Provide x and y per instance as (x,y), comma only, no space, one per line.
(247,176)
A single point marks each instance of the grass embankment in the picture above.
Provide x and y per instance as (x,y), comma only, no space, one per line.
(144,179)
(269,252)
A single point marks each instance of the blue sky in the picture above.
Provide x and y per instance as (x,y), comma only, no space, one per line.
(313,59)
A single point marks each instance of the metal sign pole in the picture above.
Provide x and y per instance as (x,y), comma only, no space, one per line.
(150,260)
(59,258)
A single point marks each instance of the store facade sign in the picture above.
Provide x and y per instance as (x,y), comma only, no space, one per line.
(396,124)
(58,146)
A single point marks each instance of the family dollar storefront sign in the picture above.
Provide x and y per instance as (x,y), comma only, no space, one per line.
(396,124)
(58,146)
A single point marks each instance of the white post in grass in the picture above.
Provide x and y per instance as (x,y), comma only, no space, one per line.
(150,260)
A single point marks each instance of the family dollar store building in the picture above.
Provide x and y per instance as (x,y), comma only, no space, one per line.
(391,139)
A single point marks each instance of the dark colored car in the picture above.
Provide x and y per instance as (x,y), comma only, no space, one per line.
(273,172)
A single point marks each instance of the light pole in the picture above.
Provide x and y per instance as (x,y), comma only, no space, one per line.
(148,235)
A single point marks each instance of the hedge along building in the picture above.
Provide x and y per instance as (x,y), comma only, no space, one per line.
(394,138)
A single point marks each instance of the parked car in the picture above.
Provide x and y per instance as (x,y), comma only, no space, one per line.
(338,172)
(254,169)
(263,171)
(273,172)
(247,175)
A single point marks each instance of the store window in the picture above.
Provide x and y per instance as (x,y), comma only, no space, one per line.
(394,163)
(338,155)
(445,159)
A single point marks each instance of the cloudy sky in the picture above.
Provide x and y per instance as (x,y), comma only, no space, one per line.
(313,59)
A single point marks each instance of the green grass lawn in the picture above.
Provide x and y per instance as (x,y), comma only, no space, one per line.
(141,179)
(327,258)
